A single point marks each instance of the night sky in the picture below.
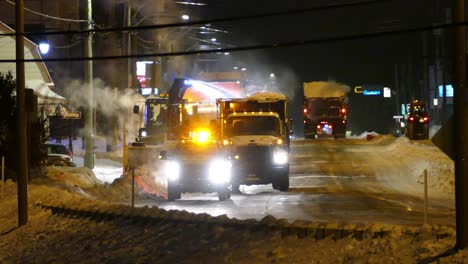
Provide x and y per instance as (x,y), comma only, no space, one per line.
(354,61)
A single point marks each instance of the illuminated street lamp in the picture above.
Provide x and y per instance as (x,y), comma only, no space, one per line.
(213,39)
(44,47)
(185,17)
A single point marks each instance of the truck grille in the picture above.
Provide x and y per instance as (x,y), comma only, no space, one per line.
(253,159)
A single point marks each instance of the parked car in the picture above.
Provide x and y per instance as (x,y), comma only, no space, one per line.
(58,155)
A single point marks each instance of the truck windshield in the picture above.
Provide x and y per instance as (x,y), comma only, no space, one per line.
(252,125)
(156,112)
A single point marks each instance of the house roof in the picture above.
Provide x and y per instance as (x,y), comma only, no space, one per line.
(36,74)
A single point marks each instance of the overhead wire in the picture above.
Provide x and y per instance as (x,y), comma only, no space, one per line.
(256,47)
(49,16)
(208,21)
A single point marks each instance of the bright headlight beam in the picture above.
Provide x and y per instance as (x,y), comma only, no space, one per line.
(280,157)
(172,171)
(220,171)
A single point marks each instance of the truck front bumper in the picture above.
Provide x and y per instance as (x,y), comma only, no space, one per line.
(202,177)
(258,165)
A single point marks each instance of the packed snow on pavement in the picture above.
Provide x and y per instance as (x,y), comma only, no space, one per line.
(75,217)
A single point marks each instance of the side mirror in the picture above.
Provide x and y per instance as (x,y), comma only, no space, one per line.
(163,155)
(136,109)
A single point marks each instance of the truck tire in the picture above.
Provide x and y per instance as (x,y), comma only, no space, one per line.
(281,181)
(410,131)
(235,188)
(224,194)
(173,193)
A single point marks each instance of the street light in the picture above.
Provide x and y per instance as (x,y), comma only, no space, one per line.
(44,47)
(185,17)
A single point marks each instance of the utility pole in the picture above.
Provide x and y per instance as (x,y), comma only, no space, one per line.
(88,75)
(21,117)
(129,45)
(460,138)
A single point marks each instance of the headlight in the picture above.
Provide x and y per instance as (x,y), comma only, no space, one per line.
(220,171)
(144,134)
(280,157)
(172,171)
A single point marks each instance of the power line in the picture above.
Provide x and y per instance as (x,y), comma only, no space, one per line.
(48,16)
(253,47)
(209,21)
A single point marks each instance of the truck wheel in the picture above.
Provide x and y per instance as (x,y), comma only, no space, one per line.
(410,131)
(281,182)
(173,193)
(224,194)
(426,132)
(235,188)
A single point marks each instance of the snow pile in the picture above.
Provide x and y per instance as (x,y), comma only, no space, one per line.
(402,165)
(325,89)
(364,135)
(60,176)
(75,229)
(266,96)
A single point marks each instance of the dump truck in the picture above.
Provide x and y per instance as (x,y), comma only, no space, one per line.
(325,110)
(255,132)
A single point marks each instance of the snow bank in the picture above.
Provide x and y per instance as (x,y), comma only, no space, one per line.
(363,135)
(67,227)
(401,167)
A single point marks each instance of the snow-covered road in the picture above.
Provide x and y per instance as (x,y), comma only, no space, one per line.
(344,181)
(76,218)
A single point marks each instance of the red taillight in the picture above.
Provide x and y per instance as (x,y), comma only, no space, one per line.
(411,119)
(344,121)
(343,110)
(426,119)
(305,110)
(330,126)
(319,126)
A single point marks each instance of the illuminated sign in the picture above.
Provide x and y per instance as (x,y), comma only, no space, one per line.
(72,115)
(448,90)
(358,89)
(387,92)
(372,92)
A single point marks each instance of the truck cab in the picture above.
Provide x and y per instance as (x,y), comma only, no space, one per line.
(255,133)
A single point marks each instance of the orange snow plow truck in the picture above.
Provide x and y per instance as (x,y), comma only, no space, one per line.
(177,149)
